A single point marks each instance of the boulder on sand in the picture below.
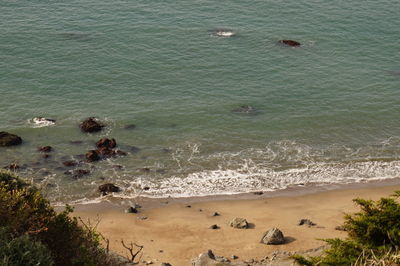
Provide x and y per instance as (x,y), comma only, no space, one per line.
(91,125)
(273,236)
(7,139)
(240,223)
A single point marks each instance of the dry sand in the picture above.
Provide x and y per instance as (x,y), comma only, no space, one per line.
(175,233)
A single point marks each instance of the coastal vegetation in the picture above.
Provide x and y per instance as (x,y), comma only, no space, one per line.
(373,236)
(33,233)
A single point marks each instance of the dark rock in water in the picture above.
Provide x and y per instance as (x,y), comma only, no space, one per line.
(7,139)
(105,142)
(12,167)
(105,152)
(130,127)
(117,166)
(214,227)
(70,163)
(41,121)
(244,109)
(46,156)
(92,156)
(79,156)
(239,223)
(108,188)
(258,193)
(45,149)
(132,210)
(146,188)
(91,125)
(273,236)
(306,222)
(290,43)
(79,173)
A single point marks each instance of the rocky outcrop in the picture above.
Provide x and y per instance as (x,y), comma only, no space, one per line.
(108,188)
(7,139)
(90,125)
(290,43)
(105,142)
(239,223)
(273,236)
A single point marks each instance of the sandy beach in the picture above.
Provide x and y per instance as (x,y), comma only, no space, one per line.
(175,231)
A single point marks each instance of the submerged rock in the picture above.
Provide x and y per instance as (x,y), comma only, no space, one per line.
(12,167)
(79,173)
(43,122)
(273,236)
(70,163)
(7,139)
(45,149)
(239,223)
(129,127)
(108,188)
(290,43)
(90,125)
(105,142)
(244,109)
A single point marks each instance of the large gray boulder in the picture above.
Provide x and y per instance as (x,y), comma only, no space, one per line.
(7,139)
(239,223)
(273,236)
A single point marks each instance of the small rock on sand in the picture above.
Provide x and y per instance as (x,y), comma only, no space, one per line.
(239,223)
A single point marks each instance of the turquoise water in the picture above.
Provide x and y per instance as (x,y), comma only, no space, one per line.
(326,112)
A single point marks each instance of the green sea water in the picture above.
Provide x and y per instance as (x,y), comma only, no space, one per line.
(325,112)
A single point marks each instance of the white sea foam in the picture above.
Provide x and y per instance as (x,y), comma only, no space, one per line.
(41,122)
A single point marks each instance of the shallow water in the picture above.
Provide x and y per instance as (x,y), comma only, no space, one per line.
(324,112)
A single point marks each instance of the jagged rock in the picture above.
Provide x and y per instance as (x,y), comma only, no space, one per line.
(70,163)
(107,188)
(240,223)
(7,139)
(306,222)
(105,142)
(273,236)
(92,156)
(45,149)
(91,125)
(290,43)
(209,259)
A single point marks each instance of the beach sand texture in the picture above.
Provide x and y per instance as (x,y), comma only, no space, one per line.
(176,233)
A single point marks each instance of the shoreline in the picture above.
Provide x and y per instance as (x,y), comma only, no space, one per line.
(173,232)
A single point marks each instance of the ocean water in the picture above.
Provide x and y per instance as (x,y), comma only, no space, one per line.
(325,112)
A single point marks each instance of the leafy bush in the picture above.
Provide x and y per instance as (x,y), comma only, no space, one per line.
(27,214)
(22,251)
(374,236)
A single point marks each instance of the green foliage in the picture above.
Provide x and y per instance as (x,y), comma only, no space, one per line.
(26,213)
(374,236)
(22,251)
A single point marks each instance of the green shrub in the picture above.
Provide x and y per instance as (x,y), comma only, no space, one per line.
(24,211)
(374,236)
(22,251)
